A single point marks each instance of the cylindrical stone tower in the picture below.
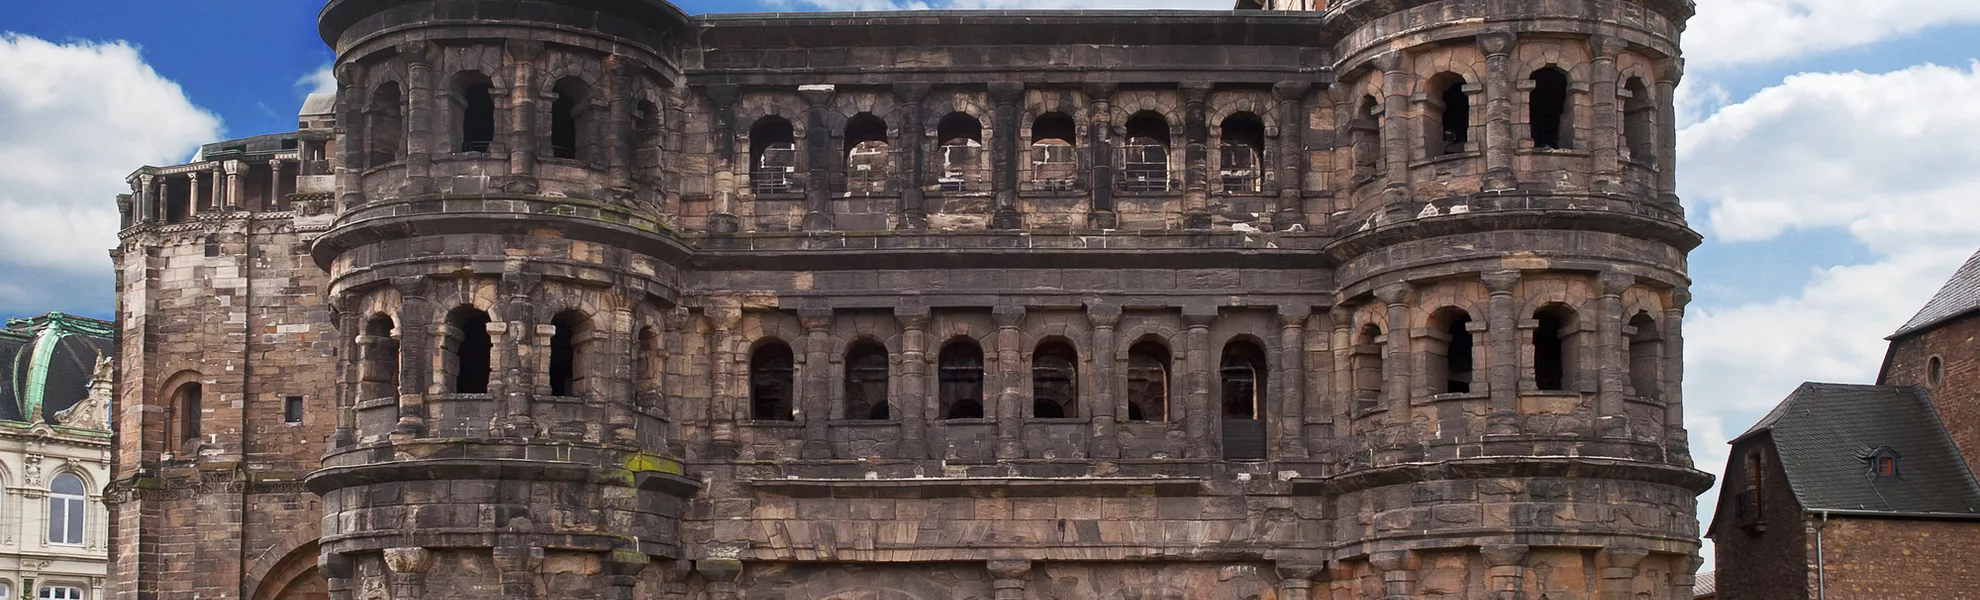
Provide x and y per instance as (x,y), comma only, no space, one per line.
(502,299)
(1511,289)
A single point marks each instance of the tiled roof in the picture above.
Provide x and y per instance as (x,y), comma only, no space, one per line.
(1708,584)
(1960,295)
(1825,433)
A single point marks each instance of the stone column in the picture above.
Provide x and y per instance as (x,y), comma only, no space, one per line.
(1667,83)
(1296,580)
(539,360)
(409,567)
(1196,156)
(192,195)
(1396,137)
(914,136)
(1673,376)
(523,115)
(1396,353)
(420,136)
(350,101)
(912,394)
(1004,156)
(1502,346)
(347,378)
(1344,396)
(1611,357)
(818,157)
(1499,82)
(1320,375)
(274,200)
(1198,408)
(148,199)
(1108,410)
(337,571)
(1100,146)
(1009,578)
(415,314)
(1398,570)
(512,356)
(1505,568)
(616,387)
(1292,154)
(725,407)
(620,152)
(1607,126)
(515,567)
(721,575)
(1010,409)
(1292,386)
(622,573)
(815,407)
(1684,579)
(722,215)
(1619,571)
(236,189)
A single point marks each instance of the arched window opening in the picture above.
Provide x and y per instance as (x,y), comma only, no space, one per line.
(1451,352)
(379,374)
(866,154)
(1747,503)
(66,510)
(1145,157)
(1365,134)
(1554,338)
(1449,115)
(190,413)
(1054,156)
(961,380)
(571,335)
(1055,381)
(570,118)
(1148,382)
(772,156)
(866,381)
(467,350)
(1547,109)
(1367,362)
(1639,122)
(646,135)
(772,369)
(1243,154)
(476,106)
(1243,374)
(961,136)
(386,125)
(1646,357)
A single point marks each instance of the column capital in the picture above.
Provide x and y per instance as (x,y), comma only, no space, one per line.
(722,570)
(1501,282)
(722,94)
(1294,316)
(815,320)
(1100,91)
(1619,557)
(1505,555)
(1291,91)
(1395,293)
(913,317)
(1104,315)
(1306,572)
(416,51)
(1389,62)
(1680,298)
(1195,92)
(517,559)
(410,286)
(1193,320)
(817,94)
(912,92)
(1007,316)
(1497,43)
(1673,71)
(408,560)
(1394,560)
(1607,47)
(1006,92)
(1614,283)
(1006,569)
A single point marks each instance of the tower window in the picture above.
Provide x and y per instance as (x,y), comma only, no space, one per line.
(385,120)
(772,156)
(646,135)
(1640,122)
(1883,463)
(1055,381)
(292,410)
(1243,154)
(476,106)
(1935,371)
(1145,162)
(1365,133)
(1243,374)
(1450,125)
(1367,362)
(1548,109)
(772,373)
(961,136)
(378,375)
(1646,357)
(570,115)
(565,346)
(866,154)
(866,381)
(962,380)
(190,412)
(1554,367)
(1054,162)
(468,347)
(1451,355)
(1148,382)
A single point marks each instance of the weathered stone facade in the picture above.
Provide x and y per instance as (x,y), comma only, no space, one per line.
(597,300)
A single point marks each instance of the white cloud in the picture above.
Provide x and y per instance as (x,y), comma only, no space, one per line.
(1876,160)
(1749,31)
(320,81)
(75,119)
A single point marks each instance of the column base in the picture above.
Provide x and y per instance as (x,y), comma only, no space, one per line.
(1102,219)
(1006,219)
(723,223)
(817,221)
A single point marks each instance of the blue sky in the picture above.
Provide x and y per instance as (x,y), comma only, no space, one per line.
(1827,151)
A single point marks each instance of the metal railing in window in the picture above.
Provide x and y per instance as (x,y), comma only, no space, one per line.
(1145,168)
(773,180)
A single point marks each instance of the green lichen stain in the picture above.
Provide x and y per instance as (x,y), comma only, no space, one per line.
(648,463)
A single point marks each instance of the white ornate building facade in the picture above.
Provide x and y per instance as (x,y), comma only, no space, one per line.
(54,457)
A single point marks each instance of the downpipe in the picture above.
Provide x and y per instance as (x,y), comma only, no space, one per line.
(1821,571)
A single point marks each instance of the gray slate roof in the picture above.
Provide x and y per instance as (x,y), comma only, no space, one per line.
(1960,295)
(1707,584)
(1824,433)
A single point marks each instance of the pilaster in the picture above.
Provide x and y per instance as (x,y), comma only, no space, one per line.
(1196,156)
(914,135)
(1100,148)
(819,157)
(1004,156)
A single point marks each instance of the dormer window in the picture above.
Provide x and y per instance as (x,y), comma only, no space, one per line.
(1883,463)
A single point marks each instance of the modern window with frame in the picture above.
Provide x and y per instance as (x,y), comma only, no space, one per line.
(65,511)
(60,592)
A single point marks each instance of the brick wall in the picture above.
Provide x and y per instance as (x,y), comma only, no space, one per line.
(1755,564)
(1894,559)
(1954,342)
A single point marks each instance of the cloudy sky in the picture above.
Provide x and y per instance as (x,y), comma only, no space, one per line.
(1830,152)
